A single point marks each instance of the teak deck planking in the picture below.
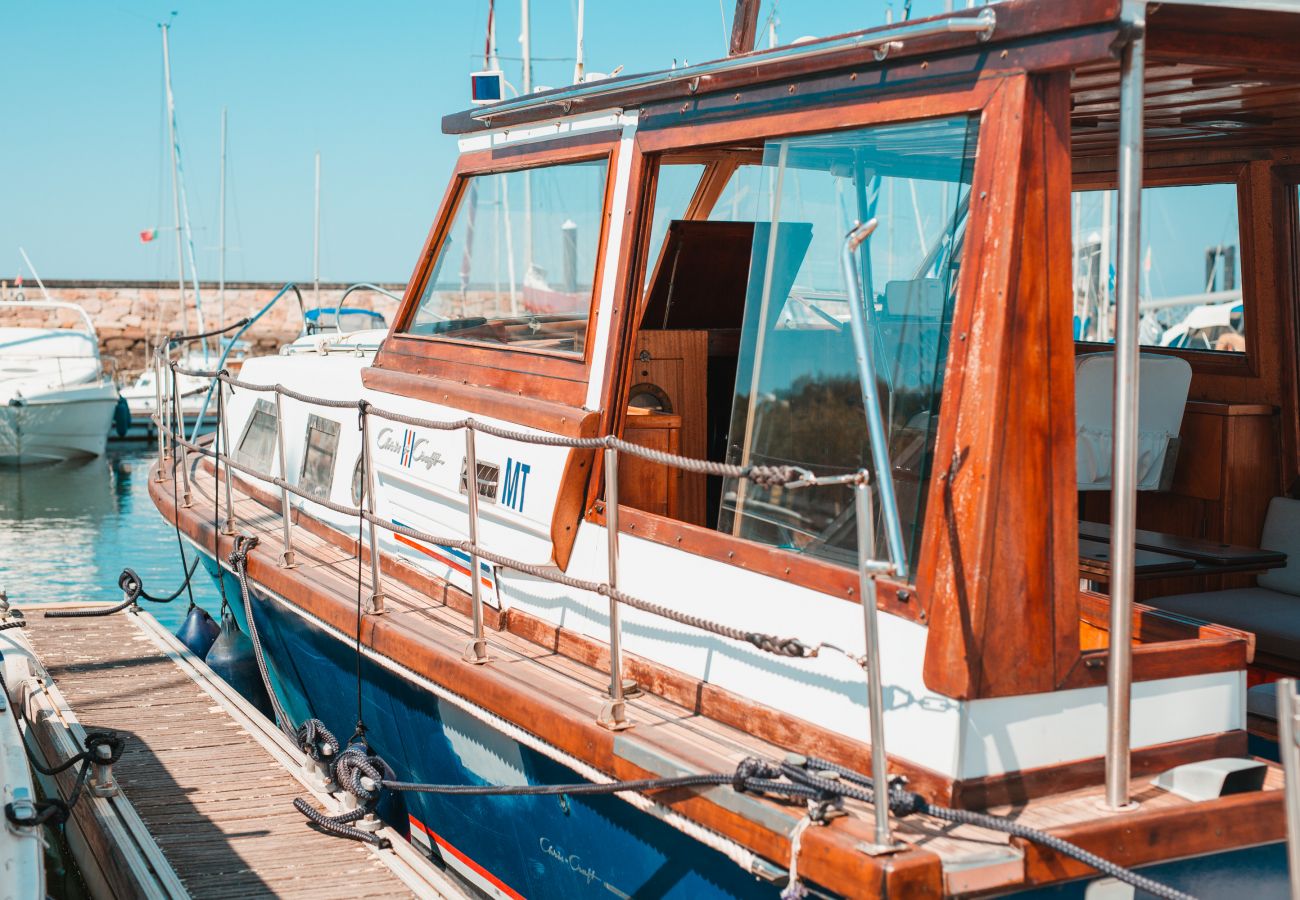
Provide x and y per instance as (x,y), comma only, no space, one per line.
(939,858)
(217,803)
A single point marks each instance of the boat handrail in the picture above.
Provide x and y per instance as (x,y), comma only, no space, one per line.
(613,713)
(56,304)
(361,285)
(882,41)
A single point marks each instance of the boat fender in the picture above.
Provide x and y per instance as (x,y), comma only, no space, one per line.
(233,658)
(121,417)
(198,631)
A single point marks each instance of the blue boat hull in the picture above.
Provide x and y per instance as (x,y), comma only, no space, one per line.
(560,847)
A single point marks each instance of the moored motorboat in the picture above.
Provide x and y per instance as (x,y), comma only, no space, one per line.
(604,505)
(56,399)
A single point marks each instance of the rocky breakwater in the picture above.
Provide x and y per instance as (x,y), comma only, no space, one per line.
(130,316)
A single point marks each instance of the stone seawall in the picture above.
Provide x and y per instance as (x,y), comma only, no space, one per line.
(130,315)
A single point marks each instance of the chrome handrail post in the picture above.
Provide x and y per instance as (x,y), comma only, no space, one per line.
(871,399)
(1123,495)
(476,649)
(186,500)
(1288,748)
(868,569)
(367,463)
(613,714)
(164,446)
(287,560)
(223,458)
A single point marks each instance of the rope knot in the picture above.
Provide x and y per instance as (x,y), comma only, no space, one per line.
(109,740)
(130,584)
(315,740)
(770,643)
(363,409)
(360,773)
(750,768)
(772,476)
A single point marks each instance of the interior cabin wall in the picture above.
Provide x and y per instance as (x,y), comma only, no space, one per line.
(1240,435)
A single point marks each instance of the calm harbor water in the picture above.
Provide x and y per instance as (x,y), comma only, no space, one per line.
(68,530)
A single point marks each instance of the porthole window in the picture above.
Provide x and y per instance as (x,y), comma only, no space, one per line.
(257,444)
(318,456)
(358,481)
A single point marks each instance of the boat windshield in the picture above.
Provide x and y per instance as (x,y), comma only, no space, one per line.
(519,261)
(797,399)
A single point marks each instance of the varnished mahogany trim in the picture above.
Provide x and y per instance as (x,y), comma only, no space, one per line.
(1027,784)
(1151,625)
(530,412)
(1168,659)
(1151,834)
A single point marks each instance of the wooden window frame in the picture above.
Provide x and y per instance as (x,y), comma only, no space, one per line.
(553,376)
(1183,175)
(978,98)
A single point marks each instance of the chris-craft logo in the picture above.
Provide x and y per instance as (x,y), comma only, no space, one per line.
(409,449)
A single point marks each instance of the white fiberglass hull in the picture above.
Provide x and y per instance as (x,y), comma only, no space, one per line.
(59,424)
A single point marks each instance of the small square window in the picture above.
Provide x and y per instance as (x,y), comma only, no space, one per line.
(256,445)
(488,476)
(318,456)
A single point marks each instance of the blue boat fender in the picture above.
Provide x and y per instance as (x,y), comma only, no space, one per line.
(198,631)
(121,417)
(233,658)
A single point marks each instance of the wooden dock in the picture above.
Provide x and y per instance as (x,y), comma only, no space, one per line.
(211,780)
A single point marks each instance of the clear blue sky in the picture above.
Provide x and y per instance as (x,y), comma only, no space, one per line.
(83,166)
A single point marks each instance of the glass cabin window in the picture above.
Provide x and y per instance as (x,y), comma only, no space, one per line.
(256,445)
(1190,281)
(318,456)
(797,397)
(518,264)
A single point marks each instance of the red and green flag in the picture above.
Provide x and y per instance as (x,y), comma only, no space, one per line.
(148,235)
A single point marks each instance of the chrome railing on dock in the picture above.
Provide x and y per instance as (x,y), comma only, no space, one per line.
(614,712)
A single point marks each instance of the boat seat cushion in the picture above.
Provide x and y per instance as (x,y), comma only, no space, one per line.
(1282,533)
(1273,616)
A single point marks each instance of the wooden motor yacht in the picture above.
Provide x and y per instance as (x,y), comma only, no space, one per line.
(876,317)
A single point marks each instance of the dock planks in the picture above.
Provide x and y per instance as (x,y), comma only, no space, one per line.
(217,802)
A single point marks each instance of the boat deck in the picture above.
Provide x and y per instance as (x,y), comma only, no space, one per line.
(211,789)
(670,739)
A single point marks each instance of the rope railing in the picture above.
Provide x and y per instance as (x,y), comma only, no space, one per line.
(792,477)
(766,642)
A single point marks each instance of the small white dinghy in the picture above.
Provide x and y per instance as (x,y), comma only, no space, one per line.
(56,401)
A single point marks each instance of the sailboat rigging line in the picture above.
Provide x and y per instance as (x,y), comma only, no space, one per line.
(177,339)
(216,497)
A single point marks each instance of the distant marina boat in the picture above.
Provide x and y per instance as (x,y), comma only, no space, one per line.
(56,400)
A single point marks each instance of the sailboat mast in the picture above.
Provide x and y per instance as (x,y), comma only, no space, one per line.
(315,251)
(178,184)
(579,64)
(221,226)
(525,40)
(176,191)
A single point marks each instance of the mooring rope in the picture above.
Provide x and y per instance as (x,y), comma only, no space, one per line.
(132,587)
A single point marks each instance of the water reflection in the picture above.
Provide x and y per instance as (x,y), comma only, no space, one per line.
(67,530)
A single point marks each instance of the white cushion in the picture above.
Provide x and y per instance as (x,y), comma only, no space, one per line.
(1282,533)
(1163,382)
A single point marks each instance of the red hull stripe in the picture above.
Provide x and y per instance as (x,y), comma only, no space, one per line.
(475,867)
(440,557)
